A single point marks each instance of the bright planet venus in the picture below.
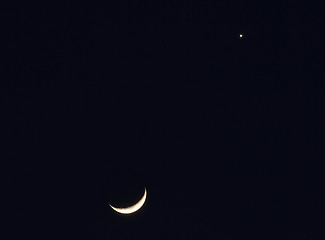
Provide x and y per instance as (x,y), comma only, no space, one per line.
(133,208)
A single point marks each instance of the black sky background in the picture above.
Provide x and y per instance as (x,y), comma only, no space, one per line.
(99,101)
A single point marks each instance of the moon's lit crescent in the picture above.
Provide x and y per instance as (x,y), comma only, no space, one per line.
(133,208)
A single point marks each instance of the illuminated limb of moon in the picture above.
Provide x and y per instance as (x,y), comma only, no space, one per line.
(131,209)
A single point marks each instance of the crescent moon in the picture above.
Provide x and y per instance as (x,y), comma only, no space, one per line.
(133,208)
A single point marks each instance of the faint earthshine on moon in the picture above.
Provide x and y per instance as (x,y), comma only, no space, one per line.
(133,208)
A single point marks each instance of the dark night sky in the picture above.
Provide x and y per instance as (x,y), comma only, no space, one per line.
(99,101)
